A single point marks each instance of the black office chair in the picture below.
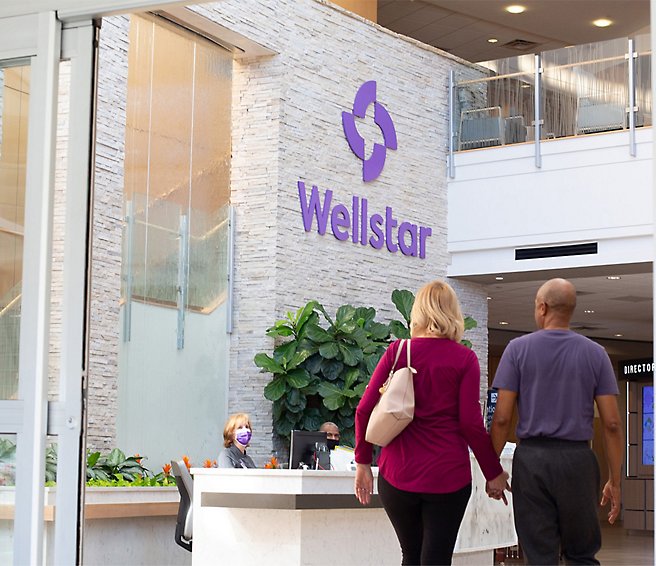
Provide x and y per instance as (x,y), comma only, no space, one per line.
(183,524)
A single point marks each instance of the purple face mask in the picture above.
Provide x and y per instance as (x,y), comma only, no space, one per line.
(243,435)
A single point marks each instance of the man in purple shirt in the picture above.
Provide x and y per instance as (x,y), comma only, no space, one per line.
(555,376)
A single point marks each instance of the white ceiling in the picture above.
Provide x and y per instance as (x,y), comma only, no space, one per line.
(463,27)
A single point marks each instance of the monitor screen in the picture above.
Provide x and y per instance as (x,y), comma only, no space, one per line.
(648,425)
(309,448)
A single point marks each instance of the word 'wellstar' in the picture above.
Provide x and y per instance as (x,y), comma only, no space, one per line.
(356,224)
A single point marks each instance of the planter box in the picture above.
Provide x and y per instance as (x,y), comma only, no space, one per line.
(123,525)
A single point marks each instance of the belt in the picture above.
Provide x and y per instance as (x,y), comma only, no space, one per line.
(549,442)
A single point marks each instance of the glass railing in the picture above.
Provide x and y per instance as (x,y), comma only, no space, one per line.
(579,90)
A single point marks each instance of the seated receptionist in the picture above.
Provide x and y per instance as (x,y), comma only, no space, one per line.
(236,437)
(332,432)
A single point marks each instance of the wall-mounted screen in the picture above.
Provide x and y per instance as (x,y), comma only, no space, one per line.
(648,425)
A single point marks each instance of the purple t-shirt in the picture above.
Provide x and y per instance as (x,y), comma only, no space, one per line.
(556,374)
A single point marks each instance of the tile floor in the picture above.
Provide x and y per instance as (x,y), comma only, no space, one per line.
(619,548)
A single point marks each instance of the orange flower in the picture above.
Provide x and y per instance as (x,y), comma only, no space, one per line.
(185,459)
(207,463)
(274,462)
(167,469)
(138,458)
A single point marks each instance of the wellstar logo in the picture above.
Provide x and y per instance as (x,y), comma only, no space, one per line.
(373,166)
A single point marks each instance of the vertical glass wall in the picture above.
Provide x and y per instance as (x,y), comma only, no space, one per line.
(173,359)
(14,103)
(584,89)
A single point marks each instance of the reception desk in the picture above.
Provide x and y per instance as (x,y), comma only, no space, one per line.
(306,517)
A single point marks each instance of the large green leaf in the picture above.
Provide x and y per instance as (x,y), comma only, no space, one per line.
(329,350)
(312,420)
(334,402)
(403,300)
(281,330)
(284,427)
(304,313)
(267,363)
(115,457)
(328,389)
(313,363)
(359,389)
(285,352)
(398,329)
(298,359)
(298,378)
(378,331)
(331,369)
(352,355)
(296,401)
(351,377)
(275,389)
(365,315)
(344,314)
(360,336)
(317,334)
(371,362)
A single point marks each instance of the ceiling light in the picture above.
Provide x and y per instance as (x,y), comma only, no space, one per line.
(613,277)
(489,298)
(499,278)
(588,311)
(515,9)
(526,86)
(493,40)
(602,22)
(618,335)
(504,323)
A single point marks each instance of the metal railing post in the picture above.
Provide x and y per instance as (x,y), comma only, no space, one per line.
(451,164)
(538,118)
(631,57)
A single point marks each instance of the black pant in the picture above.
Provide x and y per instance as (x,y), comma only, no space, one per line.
(426,524)
(555,487)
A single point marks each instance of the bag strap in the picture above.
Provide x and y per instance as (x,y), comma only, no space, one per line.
(408,349)
(398,355)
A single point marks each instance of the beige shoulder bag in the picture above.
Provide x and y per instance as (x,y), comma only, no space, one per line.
(396,406)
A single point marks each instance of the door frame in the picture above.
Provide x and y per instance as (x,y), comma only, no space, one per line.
(43,40)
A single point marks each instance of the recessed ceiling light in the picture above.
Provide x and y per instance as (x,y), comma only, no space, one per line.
(499,278)
(588,311)
(602,22)
(618,335)
(526,86)
(504,323)
(515,9)
(493,40)
(613,277)
(489,298)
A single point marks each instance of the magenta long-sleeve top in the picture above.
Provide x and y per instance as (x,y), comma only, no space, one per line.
(430,455)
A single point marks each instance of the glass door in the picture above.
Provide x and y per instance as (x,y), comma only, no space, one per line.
(41,422)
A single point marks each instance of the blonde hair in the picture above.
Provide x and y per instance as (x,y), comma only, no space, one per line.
(437,311)
(233,423)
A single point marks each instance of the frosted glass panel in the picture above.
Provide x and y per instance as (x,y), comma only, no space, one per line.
(14,103)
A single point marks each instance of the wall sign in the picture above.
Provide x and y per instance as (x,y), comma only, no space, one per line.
(636,370)
(355,222)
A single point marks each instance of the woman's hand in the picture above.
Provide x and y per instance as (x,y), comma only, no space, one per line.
(495,488)
(364,483)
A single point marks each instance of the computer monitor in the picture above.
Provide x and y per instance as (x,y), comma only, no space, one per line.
(309,450)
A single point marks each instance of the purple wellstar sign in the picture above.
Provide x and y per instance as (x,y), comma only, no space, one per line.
(355,223)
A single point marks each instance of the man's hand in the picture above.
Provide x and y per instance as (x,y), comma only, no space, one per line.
(611,493)
(495,488)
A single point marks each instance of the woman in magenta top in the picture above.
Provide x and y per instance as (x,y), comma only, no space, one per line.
(424,479)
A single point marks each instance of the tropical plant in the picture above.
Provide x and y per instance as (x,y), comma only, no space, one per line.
(321,364)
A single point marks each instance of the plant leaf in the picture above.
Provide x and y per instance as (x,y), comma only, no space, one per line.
(299,378)
(403,301)
(267,363)
(317,334)
(329,350)
(275,389)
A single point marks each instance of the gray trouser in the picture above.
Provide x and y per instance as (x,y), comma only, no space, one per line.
(555,488)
